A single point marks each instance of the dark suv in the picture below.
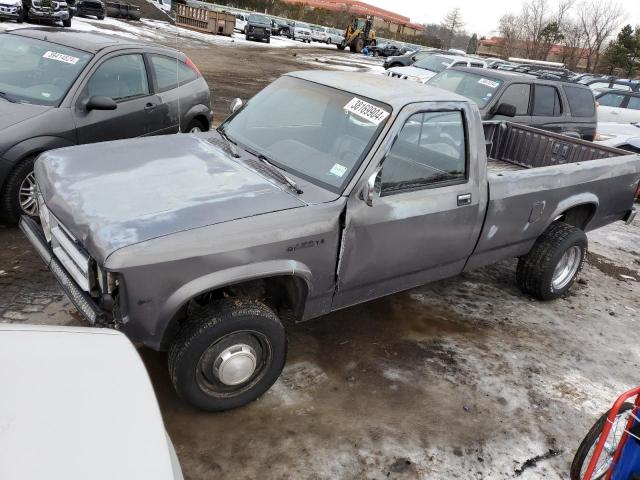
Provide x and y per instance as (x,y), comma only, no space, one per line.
(60,88)
(561,107)
(258,27)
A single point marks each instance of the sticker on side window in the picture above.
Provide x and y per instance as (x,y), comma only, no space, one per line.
(338,170)
(488,83)
(60,57)
(366,110)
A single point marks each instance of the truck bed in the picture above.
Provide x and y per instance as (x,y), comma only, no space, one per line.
(531,148)
(536,176)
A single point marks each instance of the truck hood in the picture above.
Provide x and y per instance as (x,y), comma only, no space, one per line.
(115,194)
(413,73)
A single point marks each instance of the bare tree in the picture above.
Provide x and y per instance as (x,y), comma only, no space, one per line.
(598,20)
(534,17)
(511,31)
(452,24)
(572,44)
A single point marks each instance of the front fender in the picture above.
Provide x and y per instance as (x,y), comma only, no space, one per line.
(219,279)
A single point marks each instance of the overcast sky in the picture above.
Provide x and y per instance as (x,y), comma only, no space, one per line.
(480,16)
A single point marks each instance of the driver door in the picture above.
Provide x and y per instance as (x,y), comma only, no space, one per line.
(425,217)
(123,78)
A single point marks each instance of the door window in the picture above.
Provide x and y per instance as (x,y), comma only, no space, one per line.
(430,150)
(170,72)
(634,103)
(517,95)
(121,78)
(611,100)
(546,101)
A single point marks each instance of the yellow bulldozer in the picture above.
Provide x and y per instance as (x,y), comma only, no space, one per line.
(358,34)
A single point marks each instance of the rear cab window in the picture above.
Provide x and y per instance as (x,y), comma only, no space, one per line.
(581,101)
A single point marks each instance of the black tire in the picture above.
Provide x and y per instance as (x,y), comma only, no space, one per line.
(20,16)
(589,440)
(341,46)
(214,329)
(536,269)
(357,45)
(66,23)
(268,40)
(328,41)
(10,209)
(193,124)
(100,17)
(376,53)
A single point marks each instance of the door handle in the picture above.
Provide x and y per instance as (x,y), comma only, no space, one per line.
(464,199)
(150,106)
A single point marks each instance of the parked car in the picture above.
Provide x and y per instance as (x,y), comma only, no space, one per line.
(619,135)
(299,31)
(11,10)
(612,83)
(408,58)
(63,88)
(560,107)
(241,22)
(91,414)
(258,27)
(292,209)
(422,70)
(387,50)
(85,8)
(46,11)
(618,106)
(276,27)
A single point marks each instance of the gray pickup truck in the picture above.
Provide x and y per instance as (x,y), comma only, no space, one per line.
(325,190)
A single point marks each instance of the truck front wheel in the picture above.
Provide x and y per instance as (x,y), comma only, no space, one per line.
(551,267)
(227,354)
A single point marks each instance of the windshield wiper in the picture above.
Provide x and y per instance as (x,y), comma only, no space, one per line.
(276,171)
(8,97)
(233,149)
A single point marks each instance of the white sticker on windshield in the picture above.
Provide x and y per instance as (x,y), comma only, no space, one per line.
(60,57)
(488,83)
(338,170)
(365,110)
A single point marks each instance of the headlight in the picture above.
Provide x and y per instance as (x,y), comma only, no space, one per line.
(600,137)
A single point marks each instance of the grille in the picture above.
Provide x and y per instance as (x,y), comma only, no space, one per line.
(74,260)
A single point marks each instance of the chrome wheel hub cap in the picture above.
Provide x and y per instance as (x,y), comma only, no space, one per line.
(195,130)
(27,195)
(235,365)
(567,267)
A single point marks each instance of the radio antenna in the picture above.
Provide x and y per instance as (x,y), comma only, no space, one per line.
(178,81)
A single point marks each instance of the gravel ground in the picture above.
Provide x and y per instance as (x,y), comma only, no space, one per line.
(464,378)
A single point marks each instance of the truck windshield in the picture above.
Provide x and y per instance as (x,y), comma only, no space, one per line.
(434,63)
(38,72)
(261,19)
(312,131)
(479,88)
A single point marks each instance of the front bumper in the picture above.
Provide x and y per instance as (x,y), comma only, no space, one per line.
(6,13)
(82,301)
(46,15)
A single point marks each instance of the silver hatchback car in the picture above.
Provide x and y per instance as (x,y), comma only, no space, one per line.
(63,88)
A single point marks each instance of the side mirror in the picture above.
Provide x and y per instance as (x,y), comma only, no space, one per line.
(506,110)
(101,103)
(236,103)
(371,187)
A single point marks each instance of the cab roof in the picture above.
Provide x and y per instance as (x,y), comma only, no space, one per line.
(394,92)
(90,42)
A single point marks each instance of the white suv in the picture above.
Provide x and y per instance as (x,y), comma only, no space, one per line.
(424,69)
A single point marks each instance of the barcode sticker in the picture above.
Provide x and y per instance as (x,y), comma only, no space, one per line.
(488,83)
(338,170)
(60,57)
(366,110)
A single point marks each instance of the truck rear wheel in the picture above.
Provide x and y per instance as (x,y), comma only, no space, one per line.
(227,354)
(550,268)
